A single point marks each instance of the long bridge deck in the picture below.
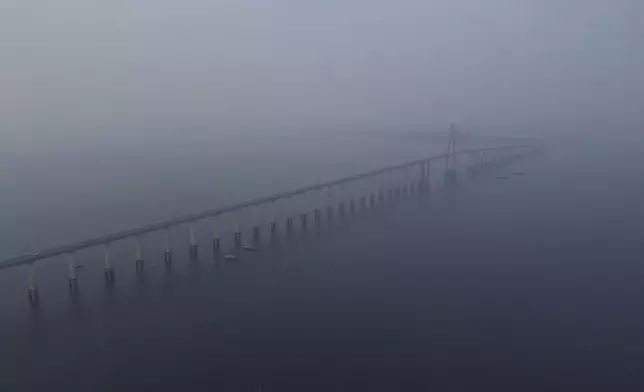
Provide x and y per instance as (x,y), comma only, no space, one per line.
(419,168)
(341,197)
(501,283)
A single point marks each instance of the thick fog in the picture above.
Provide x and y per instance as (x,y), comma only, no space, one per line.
(74,67)
(490,269)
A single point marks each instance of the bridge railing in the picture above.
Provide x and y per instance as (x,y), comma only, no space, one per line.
(296,207)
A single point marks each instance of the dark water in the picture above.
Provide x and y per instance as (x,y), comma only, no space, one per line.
(530,278)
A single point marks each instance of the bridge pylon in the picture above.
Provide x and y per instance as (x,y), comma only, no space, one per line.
(451,164)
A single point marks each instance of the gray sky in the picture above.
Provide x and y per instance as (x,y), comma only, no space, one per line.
(72,66)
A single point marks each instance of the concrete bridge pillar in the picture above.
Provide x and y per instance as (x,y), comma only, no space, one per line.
(167,256)
(423,171)
(397,182)
(73,277)
(216,241)
(256,229)
(329,204)
(237,236)
(289,225)
(139,255)
(194,247)
(303,208)
(272,223)
(32,289)
(424,184)
(108,270)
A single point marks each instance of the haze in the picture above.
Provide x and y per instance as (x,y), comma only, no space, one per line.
(499,267)
(75,67)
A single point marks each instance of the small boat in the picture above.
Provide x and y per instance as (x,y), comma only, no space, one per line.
(230,257)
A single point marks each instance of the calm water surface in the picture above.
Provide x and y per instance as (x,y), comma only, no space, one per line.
(529,278)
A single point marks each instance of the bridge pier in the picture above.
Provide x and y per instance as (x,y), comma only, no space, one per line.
(216,241)
(424,182)
(139,257)
(341,204)
(194,247)
(289,225)
(73,277)
(237,236)
(303,207)
(329,202)
(32,289)
(108,270)
(402,183)
(405,185)
(216,244)
(256,229)
(167,256)
(360,192)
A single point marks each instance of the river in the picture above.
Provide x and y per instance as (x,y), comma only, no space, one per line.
(527,278)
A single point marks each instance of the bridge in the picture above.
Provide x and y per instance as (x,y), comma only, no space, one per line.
(275,214)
